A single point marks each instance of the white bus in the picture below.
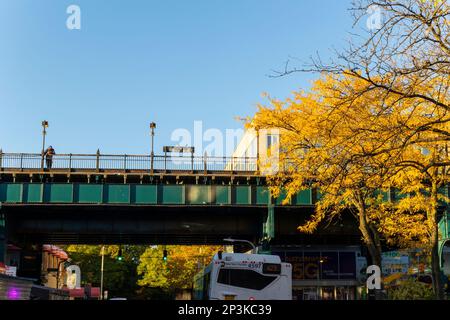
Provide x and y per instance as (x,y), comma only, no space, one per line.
(237,276)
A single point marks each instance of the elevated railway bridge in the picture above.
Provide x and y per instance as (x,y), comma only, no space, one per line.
(140,199)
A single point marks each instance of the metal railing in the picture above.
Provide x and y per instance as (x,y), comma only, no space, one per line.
(103,162)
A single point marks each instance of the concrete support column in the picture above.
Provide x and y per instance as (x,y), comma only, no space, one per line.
(31,262)
(3,241)
(269,224)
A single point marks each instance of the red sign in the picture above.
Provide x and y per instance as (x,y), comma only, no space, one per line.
(80,293)
(95,292)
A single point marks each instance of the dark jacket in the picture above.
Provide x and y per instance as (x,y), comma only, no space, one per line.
(49,153)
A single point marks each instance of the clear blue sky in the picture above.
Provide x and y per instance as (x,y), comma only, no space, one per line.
(132,62)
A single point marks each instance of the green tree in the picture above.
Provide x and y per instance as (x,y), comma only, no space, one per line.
(411,289)
(120,277)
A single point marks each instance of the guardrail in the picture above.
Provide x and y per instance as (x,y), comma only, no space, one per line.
(103,162)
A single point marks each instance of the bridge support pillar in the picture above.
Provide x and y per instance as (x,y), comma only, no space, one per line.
(268,231)
(444,228)
(3,241)
(269,224)
(31,262)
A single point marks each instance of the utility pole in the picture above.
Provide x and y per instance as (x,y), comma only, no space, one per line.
(319,270)
(152,154)
(44,133)
(101,272)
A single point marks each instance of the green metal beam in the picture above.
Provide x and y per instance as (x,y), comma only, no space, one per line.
(143,194)
(222,195)
(262,195)
(88,193)
(444,230)
(161,194)
(242,195)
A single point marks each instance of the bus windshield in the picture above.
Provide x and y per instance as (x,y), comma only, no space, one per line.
(236,276)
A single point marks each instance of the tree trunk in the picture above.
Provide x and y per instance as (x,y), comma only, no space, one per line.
(438,286)
(370,238)
(372,242)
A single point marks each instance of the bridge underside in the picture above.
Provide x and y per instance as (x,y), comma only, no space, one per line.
(131,225)
(115,224)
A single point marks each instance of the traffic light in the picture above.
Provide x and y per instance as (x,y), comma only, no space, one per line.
(119,255)
(165,255)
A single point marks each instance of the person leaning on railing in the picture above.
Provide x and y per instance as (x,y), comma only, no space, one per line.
(48,154)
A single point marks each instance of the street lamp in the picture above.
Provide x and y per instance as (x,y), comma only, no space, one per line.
(44,133)
(239,240)
(319,269)
(101,272)
(152,154)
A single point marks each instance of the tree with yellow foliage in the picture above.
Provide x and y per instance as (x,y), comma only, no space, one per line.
(339,143)
(178,272)
(400,67)
(349,140)
(423,179)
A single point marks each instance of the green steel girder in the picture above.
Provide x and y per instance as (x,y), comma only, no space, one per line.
(444,230)
(163,194)
(143,194)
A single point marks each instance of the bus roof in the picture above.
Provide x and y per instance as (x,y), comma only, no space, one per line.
(248,257)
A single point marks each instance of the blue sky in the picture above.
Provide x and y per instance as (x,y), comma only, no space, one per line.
(133,62)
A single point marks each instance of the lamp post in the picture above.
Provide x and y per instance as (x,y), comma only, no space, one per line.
(244,241)
(44,133)
(152,154)
(318,278)
(101,272)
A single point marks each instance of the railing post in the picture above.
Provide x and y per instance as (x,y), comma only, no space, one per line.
(21,162)
(97,165)
(192,162)
(70,162)
(165,161)
(1,159)
(125,163)
(205,162)
(257,151)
